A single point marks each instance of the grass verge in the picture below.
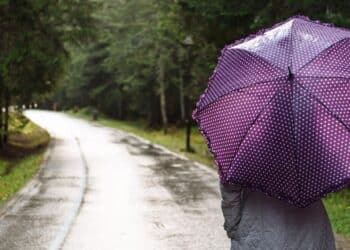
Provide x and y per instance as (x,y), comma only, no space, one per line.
(20,172)
(337,204)
(338,208)
(21,158)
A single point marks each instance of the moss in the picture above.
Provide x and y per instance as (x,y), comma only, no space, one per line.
(26,135)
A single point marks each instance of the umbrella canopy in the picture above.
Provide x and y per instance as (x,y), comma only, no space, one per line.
(276,112)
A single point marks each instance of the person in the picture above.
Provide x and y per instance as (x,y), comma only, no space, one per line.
(254,220)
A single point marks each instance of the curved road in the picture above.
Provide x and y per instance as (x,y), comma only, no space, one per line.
(101,188)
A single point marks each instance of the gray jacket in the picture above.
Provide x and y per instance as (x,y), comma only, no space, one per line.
(256,221)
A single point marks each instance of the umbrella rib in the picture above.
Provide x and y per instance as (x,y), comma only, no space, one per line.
(326,77)
(322,52)
(254,122)
(241,89)
(221,64)
(291,46)
(296,158)
(263,59)
(315,97)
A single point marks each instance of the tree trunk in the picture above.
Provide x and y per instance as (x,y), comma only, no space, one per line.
(162,87)
(182,97)
(120,105)
(1,123)
(6,121)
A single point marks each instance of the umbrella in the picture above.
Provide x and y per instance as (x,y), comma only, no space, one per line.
(276,112)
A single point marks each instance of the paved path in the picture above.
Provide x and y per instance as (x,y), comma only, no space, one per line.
(104,189)
(342,243)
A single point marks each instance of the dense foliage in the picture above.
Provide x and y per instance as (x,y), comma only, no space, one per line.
(150,59)
(34,34)
(139,67)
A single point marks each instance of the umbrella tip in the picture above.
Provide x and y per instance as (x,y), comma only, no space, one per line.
(290,75)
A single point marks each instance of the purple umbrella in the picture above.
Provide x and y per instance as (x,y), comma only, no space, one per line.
(276,112)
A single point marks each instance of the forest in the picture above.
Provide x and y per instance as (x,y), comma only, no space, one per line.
(143,60)
(152,58)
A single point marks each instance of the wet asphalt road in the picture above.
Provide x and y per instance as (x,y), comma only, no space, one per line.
(101,188)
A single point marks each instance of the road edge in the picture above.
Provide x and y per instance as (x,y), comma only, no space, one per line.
(144,140)
(62,234)
(31,184)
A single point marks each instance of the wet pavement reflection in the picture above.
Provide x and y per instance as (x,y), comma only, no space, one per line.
(101,188)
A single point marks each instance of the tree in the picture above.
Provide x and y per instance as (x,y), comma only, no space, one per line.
(145,71)
(32,46)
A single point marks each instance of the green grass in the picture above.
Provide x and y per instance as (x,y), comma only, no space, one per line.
(337,204)
(22,157)
(3,167)
(338,208)
(21,172)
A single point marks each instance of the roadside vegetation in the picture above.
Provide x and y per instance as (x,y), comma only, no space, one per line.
(34,46)
(25,135)
(338,207)
(21,158)
(16,173)
(337,204)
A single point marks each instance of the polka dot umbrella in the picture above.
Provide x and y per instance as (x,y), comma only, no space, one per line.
(276,112)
